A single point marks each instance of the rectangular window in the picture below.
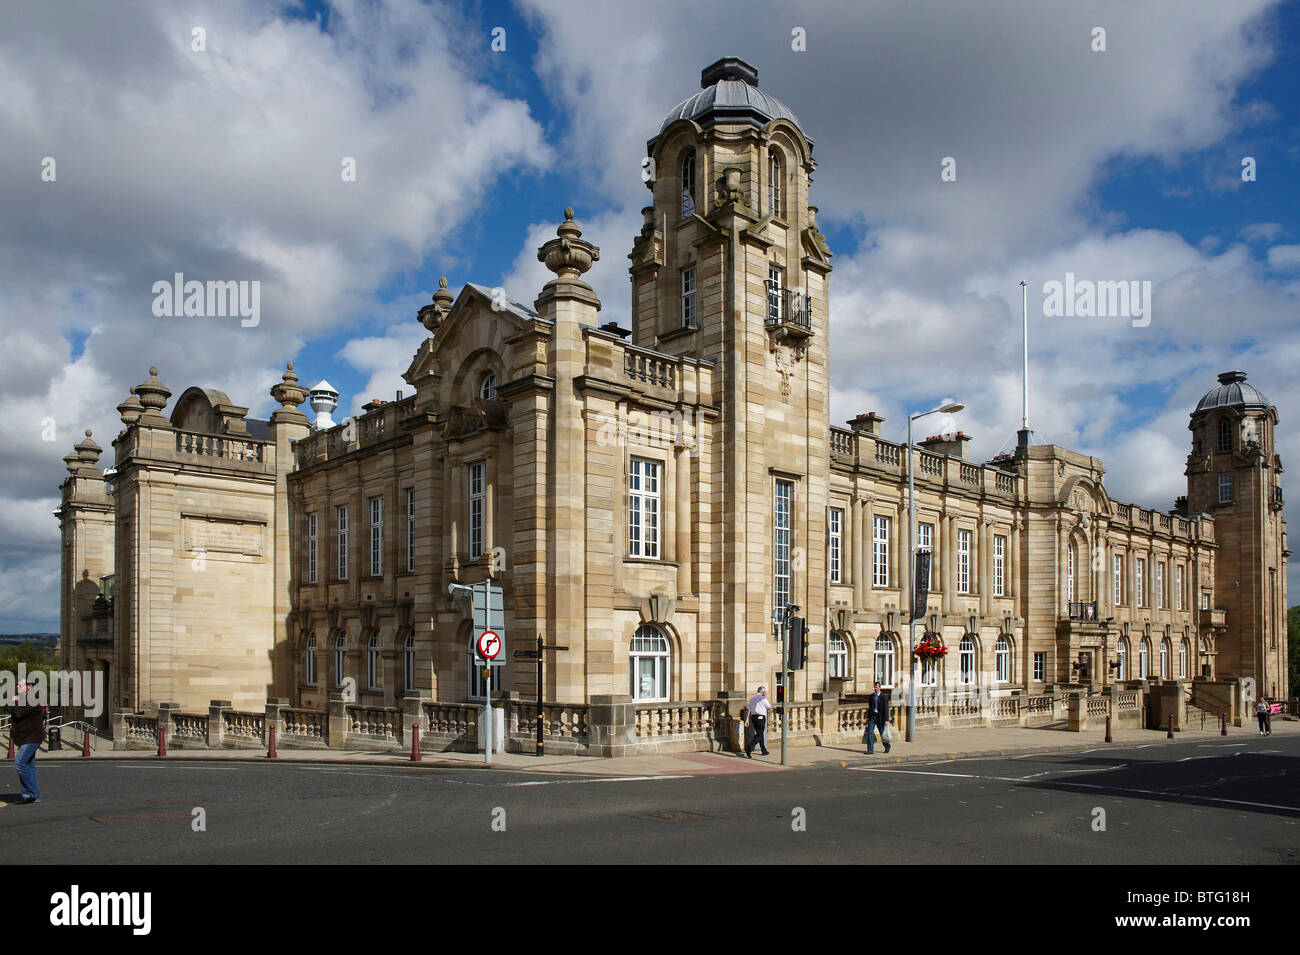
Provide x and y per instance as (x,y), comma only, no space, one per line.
(1140,598)
(781,512)
(963,562)
(1118,573)
(1178,586)
(924,541)
(477,472)
(880,552)
(643,509)
(1160,585)
(775,280)
(311,548)
(834,532)
(999,565)
(688,298)
(376,536)
(410,531)
(1225,434)
(1205,600)
(341,513)
(1225,487)
(1040,667)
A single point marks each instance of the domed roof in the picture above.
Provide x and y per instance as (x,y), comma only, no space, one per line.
(1233,392)
(730,94)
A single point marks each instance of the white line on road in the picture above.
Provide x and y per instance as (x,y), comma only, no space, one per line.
(1169,795)
(598,779)
(417,774)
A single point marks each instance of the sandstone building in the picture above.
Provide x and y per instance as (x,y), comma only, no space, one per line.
(647,498)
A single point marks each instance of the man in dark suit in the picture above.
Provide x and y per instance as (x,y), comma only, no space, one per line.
(877,718)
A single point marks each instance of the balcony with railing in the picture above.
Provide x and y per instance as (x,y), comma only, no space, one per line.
(1085,611)
(872,452)
(790,310)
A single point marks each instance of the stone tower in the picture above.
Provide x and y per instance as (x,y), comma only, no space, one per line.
(1235,474)
(731,268)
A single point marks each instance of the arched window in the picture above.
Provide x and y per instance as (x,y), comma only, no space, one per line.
(309,660)
(688,184)
(1003,659)
(1121,655)
(837,656)
(1070,553)
(372,661)
(340,657)
(1182,660)
(487,389)
(648,658)
(1164,659)
(966,659)
(775,181)
(884,660)
(408,663)
(1144,656)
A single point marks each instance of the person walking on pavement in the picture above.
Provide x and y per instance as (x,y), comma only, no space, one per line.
(878,720)
(1262,712)
(27,730)
(757,708)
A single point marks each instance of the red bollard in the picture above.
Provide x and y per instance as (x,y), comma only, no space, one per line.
(162,741)
(11,746)
(415,745)
(1171,726)
(85,742)
(1223,724)
(270,749)
(1108,739)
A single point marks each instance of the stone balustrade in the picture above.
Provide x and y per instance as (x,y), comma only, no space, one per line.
(190,727)
(304,724)
(220,446)
(674,720)
(650,368)
(375,722)
(247,727)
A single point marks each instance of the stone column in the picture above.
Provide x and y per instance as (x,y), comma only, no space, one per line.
(985,571)
(855,540)
(947,522)
(868,550)
(489,506)
(684,564)
(412,716)
(217,723)
(274,704)
(611,725)
(338,720)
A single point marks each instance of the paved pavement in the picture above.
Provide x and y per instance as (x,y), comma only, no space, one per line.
(930,745)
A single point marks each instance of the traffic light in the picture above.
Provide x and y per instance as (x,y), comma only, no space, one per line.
(780,692)
(798,643)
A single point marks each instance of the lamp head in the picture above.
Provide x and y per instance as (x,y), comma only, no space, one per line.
(953,408)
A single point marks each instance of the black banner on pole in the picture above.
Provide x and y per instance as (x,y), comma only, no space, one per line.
(922,588)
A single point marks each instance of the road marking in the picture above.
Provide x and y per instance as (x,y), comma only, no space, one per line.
(412,775)
(598,779)
(1176,796)
(1217,745)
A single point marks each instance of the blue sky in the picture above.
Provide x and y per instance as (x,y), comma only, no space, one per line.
(1122,164)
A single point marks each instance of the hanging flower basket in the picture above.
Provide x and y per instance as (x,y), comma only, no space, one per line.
(930,648)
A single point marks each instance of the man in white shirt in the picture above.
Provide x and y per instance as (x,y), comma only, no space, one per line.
(756,716)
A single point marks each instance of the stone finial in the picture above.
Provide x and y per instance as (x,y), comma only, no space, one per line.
(568,255)
(431,316)
(153,395)
(87,450)
(287,391)
(130,409)
(72,461)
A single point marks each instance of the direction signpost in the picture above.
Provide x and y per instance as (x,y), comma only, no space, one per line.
(489,642)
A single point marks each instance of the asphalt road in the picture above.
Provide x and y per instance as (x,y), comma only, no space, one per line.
(1169,803)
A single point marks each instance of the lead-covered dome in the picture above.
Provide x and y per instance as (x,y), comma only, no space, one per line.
(1233,392)
(730,94)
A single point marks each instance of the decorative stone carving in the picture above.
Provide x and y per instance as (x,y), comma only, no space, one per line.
(432,316)
(568,255)
(658,608)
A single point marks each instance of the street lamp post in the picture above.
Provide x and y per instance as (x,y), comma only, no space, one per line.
(952,408)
